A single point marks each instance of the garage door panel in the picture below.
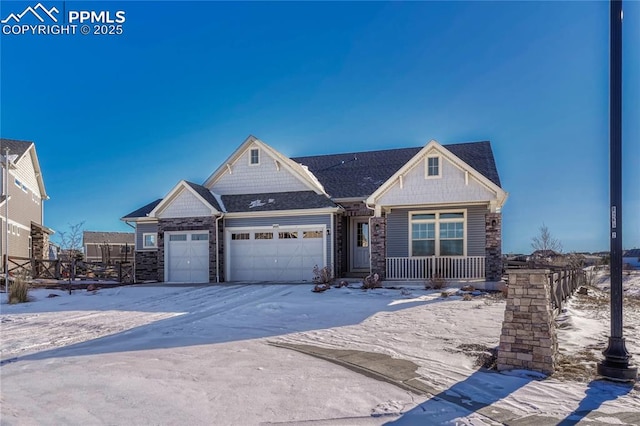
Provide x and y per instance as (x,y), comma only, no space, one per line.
(188,257)
(288,254)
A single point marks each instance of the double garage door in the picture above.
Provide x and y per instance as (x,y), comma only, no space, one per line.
(274,254)
(187,257)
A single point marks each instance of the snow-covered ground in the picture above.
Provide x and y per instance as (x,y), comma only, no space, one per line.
(201,355)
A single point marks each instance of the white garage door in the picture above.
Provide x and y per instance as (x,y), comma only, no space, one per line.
(187,257)
(282,254)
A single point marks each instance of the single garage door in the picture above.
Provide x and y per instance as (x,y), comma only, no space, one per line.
(282,254)
(187,257)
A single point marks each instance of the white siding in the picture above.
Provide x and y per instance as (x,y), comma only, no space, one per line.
(449,188)
(257,178)
(185,204)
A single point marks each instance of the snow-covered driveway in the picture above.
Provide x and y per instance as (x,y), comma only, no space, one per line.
(201,355)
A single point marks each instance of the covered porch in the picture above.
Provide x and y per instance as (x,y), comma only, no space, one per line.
(426,267)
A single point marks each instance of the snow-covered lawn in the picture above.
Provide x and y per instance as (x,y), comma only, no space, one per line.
(201,355)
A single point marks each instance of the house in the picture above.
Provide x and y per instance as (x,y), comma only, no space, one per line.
(23,195)
(631,258)
(108,247)
(405,213)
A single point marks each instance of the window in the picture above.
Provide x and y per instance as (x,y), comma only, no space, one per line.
(433,166)
(312,234)
(149,240)
(125,249)
(263,236)
(199,237)
(437,234)
(287,235)
(255,156)
(178,237)
(240,236)
(363,234)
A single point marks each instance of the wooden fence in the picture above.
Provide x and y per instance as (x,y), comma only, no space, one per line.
(74,270)
(563,284)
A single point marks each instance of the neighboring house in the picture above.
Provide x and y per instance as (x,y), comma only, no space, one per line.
(544,255)
(108,247)
(261,216)
(631,258)
(26,235)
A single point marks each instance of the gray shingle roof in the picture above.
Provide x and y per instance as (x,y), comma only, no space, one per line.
(359,174)
(108,237)
(143,211)
(276,201)
(206,194)
(16,147)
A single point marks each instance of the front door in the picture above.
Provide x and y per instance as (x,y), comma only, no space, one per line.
(360,244)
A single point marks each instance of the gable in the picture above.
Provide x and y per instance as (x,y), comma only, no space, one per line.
(414,187)
(272,172)
(456,182)
(25,171)
(184,204)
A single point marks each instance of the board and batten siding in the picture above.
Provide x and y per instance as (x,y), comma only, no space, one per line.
(283,221)
(144,228)
(451,187)
(265,177)
(398,229)
(185,204)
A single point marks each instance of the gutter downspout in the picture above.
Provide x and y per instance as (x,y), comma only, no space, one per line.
(369,222)
(218,248)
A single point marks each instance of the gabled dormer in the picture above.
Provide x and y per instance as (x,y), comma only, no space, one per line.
(255,167)
(187,199)
(435,175)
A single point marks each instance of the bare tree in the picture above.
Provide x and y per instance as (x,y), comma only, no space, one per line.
(71,246)
(71,241)
(545,241)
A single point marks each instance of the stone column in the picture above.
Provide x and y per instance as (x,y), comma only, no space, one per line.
(493,246)
(528,339)
(378,243)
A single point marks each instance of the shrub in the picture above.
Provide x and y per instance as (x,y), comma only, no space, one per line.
(436,282)
(467,297)
(371,281)
(322,275)
(19,291)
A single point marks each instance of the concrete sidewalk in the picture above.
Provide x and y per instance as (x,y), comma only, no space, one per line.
(403,374)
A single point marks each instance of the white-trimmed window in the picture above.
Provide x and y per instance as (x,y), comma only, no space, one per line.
(254,156)
(149,240)
(433,167)
(437,233)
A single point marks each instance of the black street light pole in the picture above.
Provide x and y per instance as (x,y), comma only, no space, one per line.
(616,366)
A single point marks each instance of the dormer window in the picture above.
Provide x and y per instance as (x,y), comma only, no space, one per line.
(433,167)
(254,157)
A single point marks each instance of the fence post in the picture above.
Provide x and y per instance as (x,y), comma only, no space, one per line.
(120,272)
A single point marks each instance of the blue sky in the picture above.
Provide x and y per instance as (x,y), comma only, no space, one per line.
(119,119)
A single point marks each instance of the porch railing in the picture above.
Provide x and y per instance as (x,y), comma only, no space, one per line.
(449,267)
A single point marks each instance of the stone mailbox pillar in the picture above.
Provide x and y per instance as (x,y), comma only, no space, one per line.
(528,339)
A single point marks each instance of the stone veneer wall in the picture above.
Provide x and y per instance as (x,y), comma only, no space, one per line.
(378,243)
(146,265)
(188,224)
(493,246)
(39,241)
(528,339)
